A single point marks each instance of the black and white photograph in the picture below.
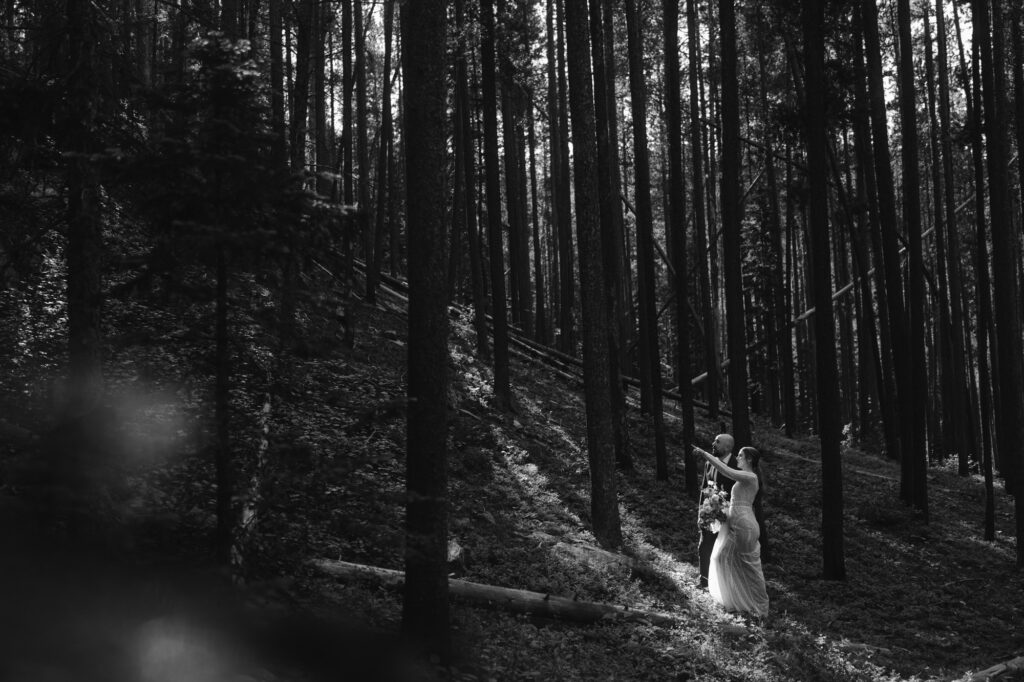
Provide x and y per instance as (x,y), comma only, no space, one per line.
(510,340)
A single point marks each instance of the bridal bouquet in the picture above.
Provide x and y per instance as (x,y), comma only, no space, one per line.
(714,509)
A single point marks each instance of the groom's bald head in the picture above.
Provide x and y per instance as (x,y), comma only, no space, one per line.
(723,445)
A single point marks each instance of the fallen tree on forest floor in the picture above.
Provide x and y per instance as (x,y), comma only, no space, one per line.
(1013,666)
(502,598)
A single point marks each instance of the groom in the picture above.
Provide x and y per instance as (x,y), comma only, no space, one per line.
(721,448)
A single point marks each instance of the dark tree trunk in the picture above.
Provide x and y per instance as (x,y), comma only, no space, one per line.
(675,223)
(555,171)
(824,328)
(732,215)
(362,144)
(645,233)
(610,239)
(972,92)
(711,362)
(277,121)
(502,381)
(959,398)
(465,153)
(567,334)
(300,90)
(1010,421)
(916,460)
(887,223)
(376,262)
(600,439)
(425,605)
(541,330)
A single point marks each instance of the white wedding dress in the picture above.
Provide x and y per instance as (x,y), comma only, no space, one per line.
(735,578)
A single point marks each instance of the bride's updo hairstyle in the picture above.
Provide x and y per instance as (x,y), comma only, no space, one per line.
(754,457)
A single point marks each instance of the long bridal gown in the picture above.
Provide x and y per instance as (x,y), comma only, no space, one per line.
(735,578)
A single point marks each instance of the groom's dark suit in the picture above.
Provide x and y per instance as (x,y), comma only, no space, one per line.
(707,538)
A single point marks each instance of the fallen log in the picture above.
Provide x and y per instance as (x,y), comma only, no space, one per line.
(1013,666)
(502,598)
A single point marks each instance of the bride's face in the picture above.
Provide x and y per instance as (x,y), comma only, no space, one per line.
(741,461)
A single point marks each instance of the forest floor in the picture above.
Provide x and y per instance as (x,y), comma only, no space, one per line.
(921,601)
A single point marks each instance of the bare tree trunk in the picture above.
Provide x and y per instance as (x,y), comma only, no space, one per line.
(502,385)
(960,392)
(711,361)
(824,328)
(611,241)
(887,223)
(645,233)
(916,462)
(731,218)
(375,263)
(1010,422)
(600,440)
(465,154)
(675,222)
(567,334)
(425,604)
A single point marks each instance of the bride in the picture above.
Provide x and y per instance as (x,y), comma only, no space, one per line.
(735,579)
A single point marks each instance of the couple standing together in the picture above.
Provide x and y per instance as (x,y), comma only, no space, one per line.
(730,560)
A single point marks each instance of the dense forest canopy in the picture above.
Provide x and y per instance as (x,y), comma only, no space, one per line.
(805,213)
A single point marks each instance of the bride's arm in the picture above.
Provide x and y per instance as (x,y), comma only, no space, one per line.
(734,474)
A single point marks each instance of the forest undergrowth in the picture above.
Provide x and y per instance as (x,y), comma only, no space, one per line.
(921,601)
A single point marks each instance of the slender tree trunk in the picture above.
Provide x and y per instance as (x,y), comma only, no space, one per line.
(915,468)
(300,91)
(362,144)
(675,221)
(888,227)
(824,328)
(1010,423)
(960,392)
(465,153)
(425,605)
(277,122)
(374,264)
(556,170)
(623,291)
(731,219)
(567,335)
(600,439)
(610,239)
(541,331)
(947,435)
(711,362)
(645,233)
(973,97)
(502,385)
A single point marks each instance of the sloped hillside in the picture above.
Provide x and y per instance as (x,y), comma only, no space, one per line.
(921,601)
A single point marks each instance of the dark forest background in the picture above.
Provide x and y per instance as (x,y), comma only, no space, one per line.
(786,220)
